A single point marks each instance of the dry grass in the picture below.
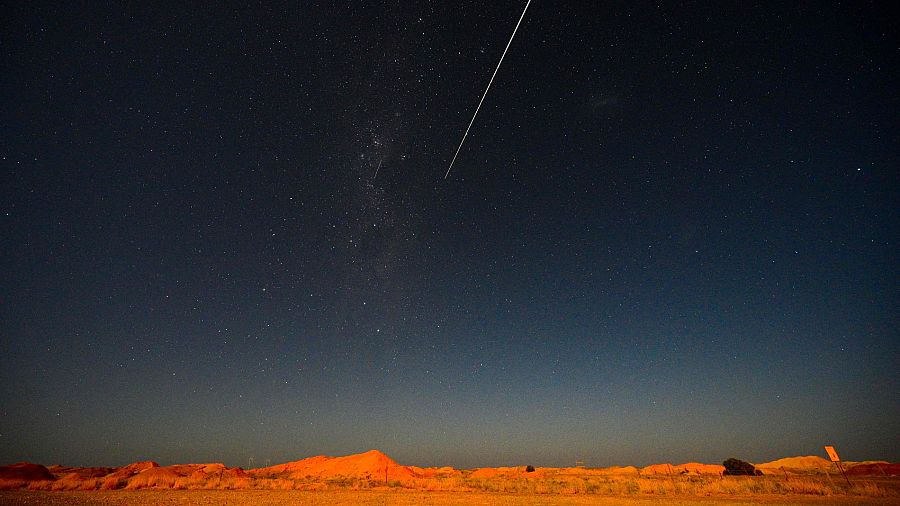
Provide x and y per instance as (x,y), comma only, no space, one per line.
(211,483)
(668,486)
(560,484)
(112,483)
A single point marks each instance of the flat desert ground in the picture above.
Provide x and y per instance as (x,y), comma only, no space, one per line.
(379,497)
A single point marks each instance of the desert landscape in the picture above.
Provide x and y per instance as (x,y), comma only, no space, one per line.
(423,252)
(374,478)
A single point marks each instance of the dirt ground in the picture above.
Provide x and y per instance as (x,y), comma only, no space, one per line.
(375,497)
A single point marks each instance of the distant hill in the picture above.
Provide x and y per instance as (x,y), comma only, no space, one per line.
(372,465)
(687,468)
(24,472)
(133,476)
(874,469)
(809,464)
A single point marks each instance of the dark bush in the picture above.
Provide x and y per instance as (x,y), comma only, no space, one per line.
(735,467)
(529,469)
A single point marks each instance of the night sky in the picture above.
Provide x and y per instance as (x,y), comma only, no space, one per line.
(671,234)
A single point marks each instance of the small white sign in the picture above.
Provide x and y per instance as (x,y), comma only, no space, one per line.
(832,454)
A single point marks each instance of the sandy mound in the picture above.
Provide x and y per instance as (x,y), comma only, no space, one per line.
(200,471)
(137,467)
(698,468)
(369,465)
(184,476)
(875,469)
(688,468)
(130,470)
(810,464)
(658,469)
(489,472)
(434,472)
(619,470)
(24,471)
(155,477)
(82,472)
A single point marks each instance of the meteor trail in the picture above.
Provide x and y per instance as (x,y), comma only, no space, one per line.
(486,89)
(378,168)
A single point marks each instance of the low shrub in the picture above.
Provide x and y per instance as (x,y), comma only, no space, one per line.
(737,467)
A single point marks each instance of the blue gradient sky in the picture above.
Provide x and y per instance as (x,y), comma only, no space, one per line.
(670,236)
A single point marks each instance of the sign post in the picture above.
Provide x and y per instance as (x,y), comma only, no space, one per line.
(833,455)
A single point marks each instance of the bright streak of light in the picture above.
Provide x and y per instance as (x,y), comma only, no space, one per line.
(486,89)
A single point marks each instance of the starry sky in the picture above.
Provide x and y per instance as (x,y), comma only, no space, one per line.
(671,234)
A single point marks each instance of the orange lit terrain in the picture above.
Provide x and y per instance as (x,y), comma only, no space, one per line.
(374,478)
